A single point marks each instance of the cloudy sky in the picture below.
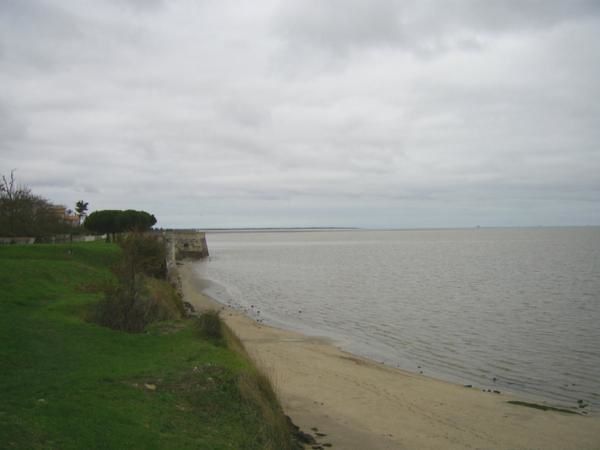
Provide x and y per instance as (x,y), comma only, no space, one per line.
(375,113)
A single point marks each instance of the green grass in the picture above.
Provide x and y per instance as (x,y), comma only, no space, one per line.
(69,384)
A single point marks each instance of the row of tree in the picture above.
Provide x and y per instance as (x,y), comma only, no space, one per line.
(23,213)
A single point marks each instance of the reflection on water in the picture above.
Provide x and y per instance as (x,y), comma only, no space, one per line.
(508,309)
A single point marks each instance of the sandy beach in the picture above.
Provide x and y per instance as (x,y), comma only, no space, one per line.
(359,404)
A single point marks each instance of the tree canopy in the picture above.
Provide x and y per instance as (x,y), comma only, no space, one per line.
(118,221)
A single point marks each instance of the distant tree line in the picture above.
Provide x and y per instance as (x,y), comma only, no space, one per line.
(24,214)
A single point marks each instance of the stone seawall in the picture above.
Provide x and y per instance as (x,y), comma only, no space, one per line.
(182,244)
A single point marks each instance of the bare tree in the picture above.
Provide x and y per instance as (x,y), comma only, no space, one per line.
(8,187)
(24,214)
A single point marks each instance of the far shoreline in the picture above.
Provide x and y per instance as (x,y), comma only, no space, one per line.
(366,404)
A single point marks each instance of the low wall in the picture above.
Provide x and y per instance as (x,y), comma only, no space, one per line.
(16,240)
(58,239)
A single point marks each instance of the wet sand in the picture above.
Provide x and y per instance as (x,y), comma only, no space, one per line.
(360,404)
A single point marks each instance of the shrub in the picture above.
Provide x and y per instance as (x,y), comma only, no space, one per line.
(209,326)
(140,297)
(142,254)
(132,310)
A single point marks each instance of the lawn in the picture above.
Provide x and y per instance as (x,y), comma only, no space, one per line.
(66,383)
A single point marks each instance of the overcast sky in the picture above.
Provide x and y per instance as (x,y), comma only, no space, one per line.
(370,113)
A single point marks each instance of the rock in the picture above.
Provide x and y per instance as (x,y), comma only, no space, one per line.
(291,424)
(468,385)
(327,444)
(300,435)
(305,438)
(150,387)
(496,392)
(321,434)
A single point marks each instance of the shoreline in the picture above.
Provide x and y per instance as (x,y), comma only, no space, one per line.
(358,403)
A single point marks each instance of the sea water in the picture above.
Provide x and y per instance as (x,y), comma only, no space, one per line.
(514,310)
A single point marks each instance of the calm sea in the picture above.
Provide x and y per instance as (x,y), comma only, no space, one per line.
(514,310)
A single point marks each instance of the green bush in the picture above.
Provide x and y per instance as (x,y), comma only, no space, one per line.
(131,310)
(141,295)
(141,254)
(209,326)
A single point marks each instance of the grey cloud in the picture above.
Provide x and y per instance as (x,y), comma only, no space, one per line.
(422,27)
(141,5)
(12,127)
(38,19)
(244,113)
(41,36)
(215,114)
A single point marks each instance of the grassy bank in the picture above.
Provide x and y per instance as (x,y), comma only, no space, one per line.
(70,384)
